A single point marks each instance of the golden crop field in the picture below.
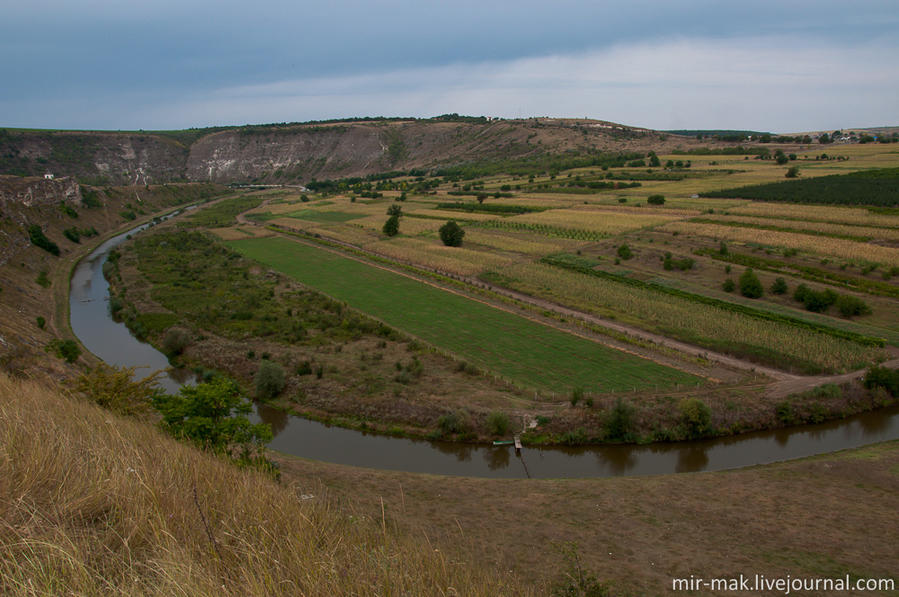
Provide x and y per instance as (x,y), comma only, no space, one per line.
(432,254)
(833,247)
(699,323)
(599,221)
(817,213)
(824,228)
(526,243)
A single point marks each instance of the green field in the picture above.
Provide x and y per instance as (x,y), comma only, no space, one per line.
(313,215)
(511,346)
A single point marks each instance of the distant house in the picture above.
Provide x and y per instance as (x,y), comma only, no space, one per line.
(48,176)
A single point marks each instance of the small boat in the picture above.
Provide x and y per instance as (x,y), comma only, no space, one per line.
(503,442)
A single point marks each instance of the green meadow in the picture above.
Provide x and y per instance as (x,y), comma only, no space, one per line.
(513,347)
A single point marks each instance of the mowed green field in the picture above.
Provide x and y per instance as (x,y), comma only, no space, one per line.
(511,346)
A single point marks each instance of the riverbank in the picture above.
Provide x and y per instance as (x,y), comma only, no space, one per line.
(376,386)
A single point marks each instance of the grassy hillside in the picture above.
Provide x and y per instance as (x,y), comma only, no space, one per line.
(95,504)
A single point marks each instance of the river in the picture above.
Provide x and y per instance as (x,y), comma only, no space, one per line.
(112,342)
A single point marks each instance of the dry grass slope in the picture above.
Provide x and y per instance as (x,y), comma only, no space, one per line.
(94,504)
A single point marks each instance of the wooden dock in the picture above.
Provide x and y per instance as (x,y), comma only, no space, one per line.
(518,443)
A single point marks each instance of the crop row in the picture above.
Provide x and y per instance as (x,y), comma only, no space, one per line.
(579,265)
(767,341)
(816,213)
(856,233)
(835,247)
(850,232)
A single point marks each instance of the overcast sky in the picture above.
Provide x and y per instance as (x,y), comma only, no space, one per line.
(783,66)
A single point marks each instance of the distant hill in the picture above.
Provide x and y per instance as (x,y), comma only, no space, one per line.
(716,133)
(300,152)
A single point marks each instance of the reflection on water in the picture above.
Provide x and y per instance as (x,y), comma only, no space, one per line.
(113,343)
(497,457)
(275,417)
(692,458)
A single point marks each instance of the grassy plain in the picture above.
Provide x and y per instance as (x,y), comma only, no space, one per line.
(513,347)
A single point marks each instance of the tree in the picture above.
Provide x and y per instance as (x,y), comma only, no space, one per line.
(618,425)
(824,139)
(654,160)
(695,416)
(451,234)
(779,286)
(212,415)
(750,285)
(391,226)
(498,423)
(656,200)
(269,379)
(624,252)
(792,172)
(395,210)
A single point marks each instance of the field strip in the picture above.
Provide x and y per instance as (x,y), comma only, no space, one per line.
(502,341)
(510,294)
(559,309)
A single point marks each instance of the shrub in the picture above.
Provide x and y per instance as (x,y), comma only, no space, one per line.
(498,423)
(41,322)
(792,172)
(391,226)
(453,423)
(695,416)
(729,285)
(576,395)
(618,426)
(42,279)
(624,252)
(175,341)
(213,416)
(656,200)
(304,368)
(451,234)
(72,234)
(115,388)
(881,377)
(39,239)
(270,380)
(66,349)
(750,285)
(850,306)
(779,286)
(815,300)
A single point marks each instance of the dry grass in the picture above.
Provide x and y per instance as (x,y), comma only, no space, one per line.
(834,247)
(94,504)
(820,517)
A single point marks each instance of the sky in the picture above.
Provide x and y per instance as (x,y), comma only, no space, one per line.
(784,66)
